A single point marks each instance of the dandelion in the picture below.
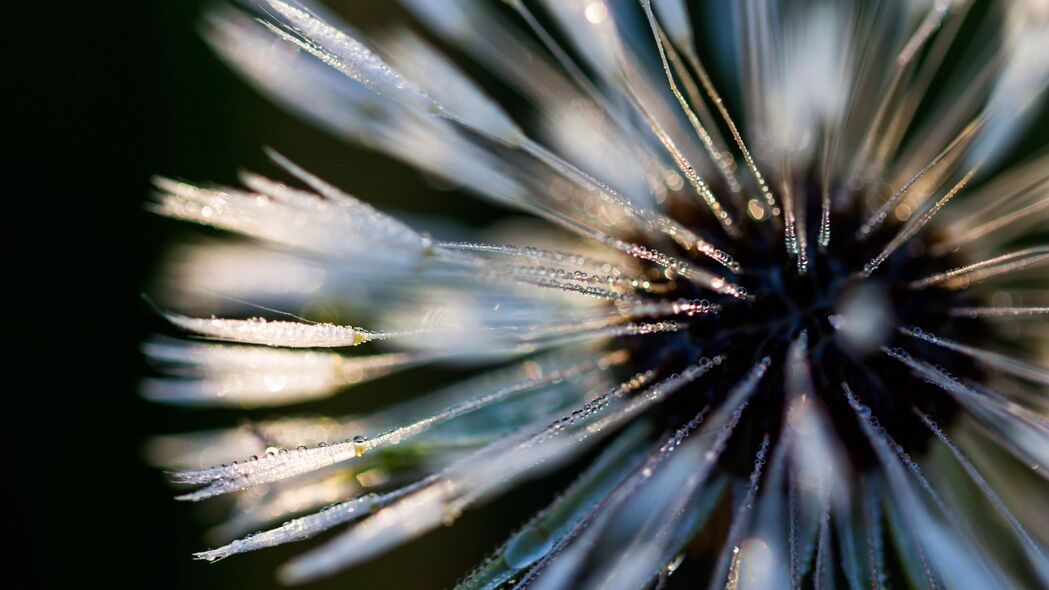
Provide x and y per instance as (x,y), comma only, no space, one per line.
(782,305)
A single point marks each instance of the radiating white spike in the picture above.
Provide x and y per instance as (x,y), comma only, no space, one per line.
(273,466)
(915,225)
(566,334)
(929,25)
(950,516)
(794,551)
(688,307)
(259,389)
(488,472)
(965,532)
(559,566)
(352,111)
(912,555)
(957,562)
(882,213)
(539,536)
(665,507)
(925,71)
(609,287)
(873,528)
(794,236)
(719,212)
(1035,553)
(200,449)
(527,276)
(685,167)
(821,577)
(653,222)
(221,358)
(279,504)
(816,459)
(290,217)
(354,206)
(253,376)
(563,59)
(674,16)
(850,550)
(351,57)
(466,482)
(478,28)
(1000,229)
(406,431)
(708,129)
(727,566)
(580,541)
(654,395)
(421,511)
(970,274)
(310,525)
(458,97)
(276,332)
(363,63)
(204,449)
(823,237)
(646,550)
(1017,367)
(459,100)
(1023,432)
(489,457)
(564,258)
(338,204)
(689,271)
(282,465)
(217,276)
(998,312)
(1021,82)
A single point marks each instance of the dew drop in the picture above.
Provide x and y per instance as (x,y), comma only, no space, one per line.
(676,563)
(527,546)
(360,445)
(275,383)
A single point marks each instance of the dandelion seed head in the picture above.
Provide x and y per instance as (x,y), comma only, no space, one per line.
(771,311)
